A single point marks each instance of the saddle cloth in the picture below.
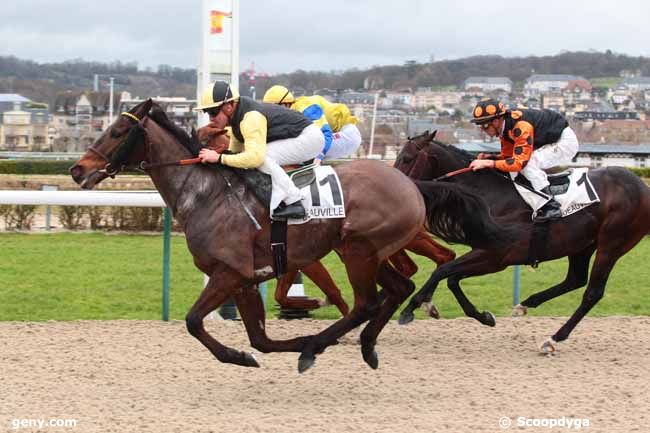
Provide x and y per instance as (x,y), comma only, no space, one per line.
(572,190)
(322,195)
(320,187)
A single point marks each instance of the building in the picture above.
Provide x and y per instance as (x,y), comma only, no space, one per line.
(542,83)
(178,109)
(79,113)
(488,84)
(553,101)
(606,115)
(23,124)
(637,84)
(441,101)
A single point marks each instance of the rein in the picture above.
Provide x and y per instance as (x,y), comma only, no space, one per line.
(113,165)
(452,173)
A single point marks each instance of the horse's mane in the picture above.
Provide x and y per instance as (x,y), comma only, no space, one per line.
(191,143)
(463,154)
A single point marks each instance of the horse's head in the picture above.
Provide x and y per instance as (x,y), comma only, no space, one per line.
(120,144)
(413,159)
(424,158)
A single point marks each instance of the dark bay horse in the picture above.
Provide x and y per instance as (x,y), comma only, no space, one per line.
(384,211)
(609,228)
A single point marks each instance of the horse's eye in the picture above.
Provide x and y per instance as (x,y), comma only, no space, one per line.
(115,133)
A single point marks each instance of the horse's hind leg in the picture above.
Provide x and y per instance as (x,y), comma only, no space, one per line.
(282,298)
(362,272)
(396,288)
(577,276)
(213,295)
(612,245)
(423,245)
(319,275)
(251,308)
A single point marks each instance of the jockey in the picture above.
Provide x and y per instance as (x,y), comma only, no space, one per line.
(264,136)
(531,141)
(342,137)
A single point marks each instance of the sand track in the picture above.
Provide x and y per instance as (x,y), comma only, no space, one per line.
(434,376)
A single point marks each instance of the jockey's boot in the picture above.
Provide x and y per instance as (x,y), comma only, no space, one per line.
(289,211)
(550,211)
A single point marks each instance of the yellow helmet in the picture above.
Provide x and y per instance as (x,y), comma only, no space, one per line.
(278,95)
(217,94)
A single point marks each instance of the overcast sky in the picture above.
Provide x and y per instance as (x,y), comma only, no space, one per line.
(286,35)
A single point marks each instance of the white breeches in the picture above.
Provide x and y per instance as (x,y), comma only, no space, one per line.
(303,148)
(345,142)
(550,155)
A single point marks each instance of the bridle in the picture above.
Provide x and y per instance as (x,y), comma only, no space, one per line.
(424,155)
(114,164)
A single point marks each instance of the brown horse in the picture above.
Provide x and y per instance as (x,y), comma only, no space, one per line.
(610,228)
(422,245)
(384,211)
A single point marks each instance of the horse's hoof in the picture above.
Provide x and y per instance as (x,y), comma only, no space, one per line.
(431,310)
(324,303)
(371,359)
(305,363)
(250,361)
(548,347)
(489,319)
(519,310)
(405,317)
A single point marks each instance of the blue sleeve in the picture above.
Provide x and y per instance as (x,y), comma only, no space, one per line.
(329,136)
(313,112)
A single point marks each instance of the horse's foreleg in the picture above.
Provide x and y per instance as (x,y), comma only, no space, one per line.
(251,308)
(485,317)
(396,288)
(213,295)
(474,263)
(319,275)
(577,276)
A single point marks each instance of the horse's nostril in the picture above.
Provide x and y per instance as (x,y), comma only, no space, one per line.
(76,171)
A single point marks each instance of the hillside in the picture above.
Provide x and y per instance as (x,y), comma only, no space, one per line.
(42,81)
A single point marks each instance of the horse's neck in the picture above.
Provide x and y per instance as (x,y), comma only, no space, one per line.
(181,187)
(498,191)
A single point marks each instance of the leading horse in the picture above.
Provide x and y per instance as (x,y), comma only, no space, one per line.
(609,228)
(384,211)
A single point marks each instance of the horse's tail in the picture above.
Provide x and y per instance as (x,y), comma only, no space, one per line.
(459,215)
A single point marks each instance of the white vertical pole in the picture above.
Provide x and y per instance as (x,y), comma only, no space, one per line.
(110,103)
(203,71)
(372,125)
(234,59)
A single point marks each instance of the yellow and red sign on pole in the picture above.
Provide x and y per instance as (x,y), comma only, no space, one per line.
(216,21)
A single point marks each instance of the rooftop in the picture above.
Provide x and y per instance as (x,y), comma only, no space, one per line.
(12,97)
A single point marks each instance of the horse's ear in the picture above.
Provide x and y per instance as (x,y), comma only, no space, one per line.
(433,134)
(147,106)
(144,108)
